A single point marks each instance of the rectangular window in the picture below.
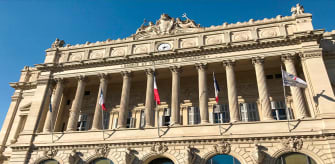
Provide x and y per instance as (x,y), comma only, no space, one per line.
(193,115)
(129,120)
(87,93)
(166,117)
(142,121)
(221,113)
(82,122)
(249,112)
(106,119)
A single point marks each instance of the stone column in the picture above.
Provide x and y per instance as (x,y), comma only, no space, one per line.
(232,91)
(203,93)
(123,113)
(97,122)
(51,116)
(297,96)
(175,96)
(262,88)
(149,99)
(76,105)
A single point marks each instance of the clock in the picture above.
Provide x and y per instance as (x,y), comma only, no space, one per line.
(164,47)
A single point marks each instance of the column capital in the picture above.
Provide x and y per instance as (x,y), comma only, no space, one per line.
(228,63)
(59,80)
(177,69)
(149,71)
(257,60)
(288,57)
(201,66)
(126,74)
(103,76)
(81,78)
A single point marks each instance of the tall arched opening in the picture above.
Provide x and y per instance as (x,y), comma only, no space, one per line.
(295,158)
(49,161)
(161,161)
(102,161)
(223,158)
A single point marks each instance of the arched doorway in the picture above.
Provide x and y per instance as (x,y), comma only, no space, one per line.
(102,161)
(295,158)
(161,161)
(49,161)
(223,158)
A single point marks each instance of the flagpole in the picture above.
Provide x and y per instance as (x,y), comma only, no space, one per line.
(51,124)
(156,107)
(102,118)
(286,109)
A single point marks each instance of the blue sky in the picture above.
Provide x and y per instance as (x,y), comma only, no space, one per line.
(30,26)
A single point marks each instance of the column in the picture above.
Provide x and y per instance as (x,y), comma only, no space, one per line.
(262,88)
(297,96)
(149,98)
(51,116)
(76,105)
(203,93)
(123,113)
(97,119)
(175,96)
(232,92)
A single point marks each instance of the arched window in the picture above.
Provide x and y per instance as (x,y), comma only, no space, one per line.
(223,158)
(161,161)
(102,161)
(49,161)
(295,158)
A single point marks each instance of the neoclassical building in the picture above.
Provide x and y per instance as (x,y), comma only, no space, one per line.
(253,122)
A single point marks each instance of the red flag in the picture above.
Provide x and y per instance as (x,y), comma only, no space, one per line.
(157,99)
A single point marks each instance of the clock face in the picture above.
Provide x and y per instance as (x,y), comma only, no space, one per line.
(164,47)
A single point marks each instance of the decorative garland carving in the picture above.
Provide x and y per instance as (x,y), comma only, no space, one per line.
(102,150)
(293,144)
(222,147)
(159,148)
(51,152)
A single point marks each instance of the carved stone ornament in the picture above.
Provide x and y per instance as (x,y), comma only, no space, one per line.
(166,26)
(102,150)
(52,152)
(293,144)
(190,154)
(258,154)
(159,148)
(74,157)
(222,147)
(57,43)
(297,10)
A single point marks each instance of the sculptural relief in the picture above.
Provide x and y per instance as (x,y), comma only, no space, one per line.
(268,32)
(186,43)
(291,29)
(297,10)
(241,36)
(76,56)
(118,51)
(166,26)
(95,54)
(213,39)
(140,49)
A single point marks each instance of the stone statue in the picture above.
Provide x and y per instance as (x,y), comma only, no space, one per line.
(165,24)
(297,10)
(57,43)
(188,23)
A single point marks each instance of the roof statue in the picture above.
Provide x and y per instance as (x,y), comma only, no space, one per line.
(166,26)
(57,43)
(297,10)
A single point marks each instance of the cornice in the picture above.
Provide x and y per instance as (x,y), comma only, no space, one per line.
(23,85)
(295,39)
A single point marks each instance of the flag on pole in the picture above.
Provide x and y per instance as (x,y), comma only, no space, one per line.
(101,101)
(216,88)
(50,104)
(292,80)
(157,99)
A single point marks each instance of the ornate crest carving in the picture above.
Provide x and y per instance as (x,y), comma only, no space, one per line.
(159,148)
(297,10)
(258,154)
(129,155)
(293,144)
(166,26)
(74,157)
(57,43)
(52,152)
(191,154)
(102,150)
(222,147)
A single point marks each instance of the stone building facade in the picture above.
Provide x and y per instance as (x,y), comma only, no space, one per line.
(250,122)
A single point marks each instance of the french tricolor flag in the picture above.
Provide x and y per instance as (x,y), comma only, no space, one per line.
(216,88)
(157,99)
(101,101)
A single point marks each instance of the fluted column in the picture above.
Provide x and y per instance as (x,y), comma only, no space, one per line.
(232,91)
(297,96)
(203,93)
(149,99)
(51,116)
(76,105)
(262,88)
(97,122)
(175,96)
(123,113)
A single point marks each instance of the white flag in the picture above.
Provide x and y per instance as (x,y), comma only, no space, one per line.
(292,80)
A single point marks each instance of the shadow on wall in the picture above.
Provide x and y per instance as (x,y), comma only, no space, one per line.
(321,95)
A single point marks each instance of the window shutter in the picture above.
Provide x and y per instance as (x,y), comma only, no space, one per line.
(196,115)
(210,117)
(168,112)
(191,116)
(273,105)
(132,122)
(244,112)
(217,109)
(225,113)
(114,123)
(161,120)
(142,120)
